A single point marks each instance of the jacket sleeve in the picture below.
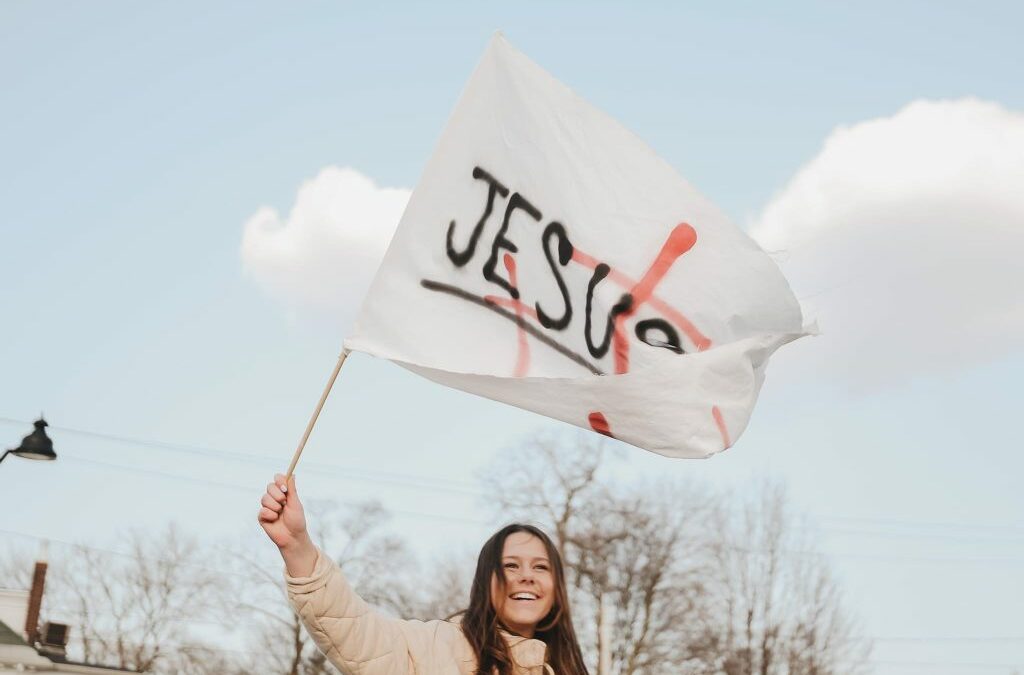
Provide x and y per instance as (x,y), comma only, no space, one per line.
(354,636)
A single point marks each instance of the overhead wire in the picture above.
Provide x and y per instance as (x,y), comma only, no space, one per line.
(482,523)
(460,487)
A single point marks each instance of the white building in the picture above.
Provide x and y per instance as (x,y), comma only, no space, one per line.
(18,656)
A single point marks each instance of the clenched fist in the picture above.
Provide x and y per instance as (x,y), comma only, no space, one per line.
(284,521)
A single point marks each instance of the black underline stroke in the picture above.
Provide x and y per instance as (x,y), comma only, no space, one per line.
(518,320)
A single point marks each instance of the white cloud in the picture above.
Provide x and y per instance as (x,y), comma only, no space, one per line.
(904,237)
(323,257)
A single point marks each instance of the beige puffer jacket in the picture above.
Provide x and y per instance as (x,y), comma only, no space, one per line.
(360,641)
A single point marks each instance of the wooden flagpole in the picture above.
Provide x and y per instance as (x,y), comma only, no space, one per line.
(316,413)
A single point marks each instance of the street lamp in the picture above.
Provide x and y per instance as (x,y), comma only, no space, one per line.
(37,445)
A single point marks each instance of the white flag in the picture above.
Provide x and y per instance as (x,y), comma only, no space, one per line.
(549,259)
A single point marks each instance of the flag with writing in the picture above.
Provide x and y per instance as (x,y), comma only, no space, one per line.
(551,260)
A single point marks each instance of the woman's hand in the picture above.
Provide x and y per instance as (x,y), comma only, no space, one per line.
(284,521)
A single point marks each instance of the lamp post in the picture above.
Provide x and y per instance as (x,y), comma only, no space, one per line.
(37,445)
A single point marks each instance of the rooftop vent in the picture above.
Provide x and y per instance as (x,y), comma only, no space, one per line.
(53,638)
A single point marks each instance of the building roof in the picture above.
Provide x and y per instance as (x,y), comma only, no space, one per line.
(81,664)
(9,637)
(14,650)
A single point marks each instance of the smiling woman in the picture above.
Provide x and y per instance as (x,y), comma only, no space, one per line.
(518,620)
(519,587)
(522,594)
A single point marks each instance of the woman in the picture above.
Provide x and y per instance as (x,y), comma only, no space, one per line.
(517,623)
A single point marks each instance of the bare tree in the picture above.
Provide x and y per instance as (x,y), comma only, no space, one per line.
(149,606)
(201,659)
(547,480)
(444,587)
(641,551)
(127,608)
(633,557)
(680,582)
(378,564)
(15,567)
(781,611)
(276,639)
(664,577)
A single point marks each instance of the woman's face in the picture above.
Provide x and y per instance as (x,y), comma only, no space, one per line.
(529,589)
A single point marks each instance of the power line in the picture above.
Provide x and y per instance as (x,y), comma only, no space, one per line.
(893,559)
(881,558)
(459,487)
(434,483)
(868,557)
(479,523)
(126,554)
(947,664)
(419,514)
(946,638)
(250,491)
(897,522)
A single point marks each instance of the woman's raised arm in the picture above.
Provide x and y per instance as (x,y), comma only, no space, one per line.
(354,636)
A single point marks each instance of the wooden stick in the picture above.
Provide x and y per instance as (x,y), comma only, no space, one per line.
(316,414)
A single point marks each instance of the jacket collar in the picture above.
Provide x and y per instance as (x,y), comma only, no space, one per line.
(525,652)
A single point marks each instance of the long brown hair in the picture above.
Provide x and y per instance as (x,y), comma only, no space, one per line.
(481,625)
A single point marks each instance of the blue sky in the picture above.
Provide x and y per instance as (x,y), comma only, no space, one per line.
(136,140)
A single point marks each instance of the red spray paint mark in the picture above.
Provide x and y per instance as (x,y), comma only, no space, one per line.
(720,422)
(523,356)
(681,240)
(519,306)
(599,424)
